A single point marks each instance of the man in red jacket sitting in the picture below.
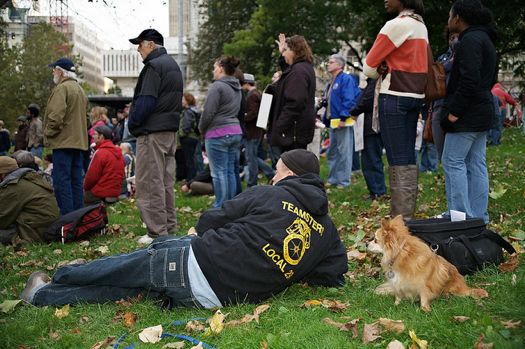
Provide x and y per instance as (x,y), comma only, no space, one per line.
(106,171)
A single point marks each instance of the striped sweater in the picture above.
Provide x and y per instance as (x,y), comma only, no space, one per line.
(403,44)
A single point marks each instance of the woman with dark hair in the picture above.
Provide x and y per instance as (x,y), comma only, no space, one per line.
(399,58)
(221,129)
(469,109)
(293,107)
(188,135)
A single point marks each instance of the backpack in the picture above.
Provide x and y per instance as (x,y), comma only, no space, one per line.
(79,224)
(197,120)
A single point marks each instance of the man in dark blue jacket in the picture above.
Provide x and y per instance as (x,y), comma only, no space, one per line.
(252,247)
(154,120)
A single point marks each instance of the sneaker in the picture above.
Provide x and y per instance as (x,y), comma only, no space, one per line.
(145,240)
(36,281)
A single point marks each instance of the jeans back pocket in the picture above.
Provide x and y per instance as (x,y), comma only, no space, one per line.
(167,266)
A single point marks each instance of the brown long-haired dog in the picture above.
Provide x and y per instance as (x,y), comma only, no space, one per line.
(413,270)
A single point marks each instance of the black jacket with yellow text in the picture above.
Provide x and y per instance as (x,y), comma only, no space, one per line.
(269,237)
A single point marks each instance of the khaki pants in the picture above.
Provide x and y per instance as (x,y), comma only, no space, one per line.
(155,178)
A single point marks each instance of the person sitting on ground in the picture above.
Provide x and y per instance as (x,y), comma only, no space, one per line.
(201,184)
(250,248)
(27,203)
(105,174)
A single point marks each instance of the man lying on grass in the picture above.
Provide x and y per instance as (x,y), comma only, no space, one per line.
(253,247)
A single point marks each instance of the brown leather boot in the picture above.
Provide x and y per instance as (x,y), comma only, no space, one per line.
(403,190)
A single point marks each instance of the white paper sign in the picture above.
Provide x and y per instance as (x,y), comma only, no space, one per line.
(264,111)
(457,216)
(359,140)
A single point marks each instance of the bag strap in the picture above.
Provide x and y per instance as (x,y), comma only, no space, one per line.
(499,240)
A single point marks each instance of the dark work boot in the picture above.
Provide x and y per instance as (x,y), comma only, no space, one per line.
(403,190)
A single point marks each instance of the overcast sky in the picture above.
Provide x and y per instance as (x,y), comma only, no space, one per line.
(116,21)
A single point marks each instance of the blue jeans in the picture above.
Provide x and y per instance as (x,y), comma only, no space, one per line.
(398,121)
(254,162)
(68,179)
(160,270)
(372,164)
(497,128)
(429,158)
(466,176)
(37,151)
(223,155)
(339,155)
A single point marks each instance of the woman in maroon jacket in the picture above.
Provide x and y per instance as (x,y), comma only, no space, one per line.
(106,171)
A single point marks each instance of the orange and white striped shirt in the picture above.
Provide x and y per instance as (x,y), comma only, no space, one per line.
(403,44)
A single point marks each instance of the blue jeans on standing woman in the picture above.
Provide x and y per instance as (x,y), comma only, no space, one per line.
(254,162)
(160,270)
(223,155)
(68,167)
(372,165)
(398,120)
(339,154)
(466,175)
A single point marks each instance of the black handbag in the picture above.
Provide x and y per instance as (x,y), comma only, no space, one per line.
(468,244)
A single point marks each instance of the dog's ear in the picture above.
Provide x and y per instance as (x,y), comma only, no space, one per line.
(385,224)
(398,220)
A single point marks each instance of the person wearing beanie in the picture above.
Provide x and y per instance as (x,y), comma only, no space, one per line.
(247,250)
(105,173)
(35,133)
(27,203)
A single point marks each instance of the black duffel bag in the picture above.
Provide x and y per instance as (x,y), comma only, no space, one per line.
(468,244)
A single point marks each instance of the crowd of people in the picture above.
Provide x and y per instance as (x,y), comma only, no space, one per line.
(163,135)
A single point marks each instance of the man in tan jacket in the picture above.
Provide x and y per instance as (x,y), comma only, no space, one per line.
(65,132)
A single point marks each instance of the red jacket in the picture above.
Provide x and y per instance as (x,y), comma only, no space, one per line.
(106,171)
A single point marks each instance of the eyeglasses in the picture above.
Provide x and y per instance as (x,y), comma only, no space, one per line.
(331,62)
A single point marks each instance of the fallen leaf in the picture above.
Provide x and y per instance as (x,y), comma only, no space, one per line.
(62,312)
(421,343)
(185,209)
(461,318)
(261,309)
(129,319)
(264,345)
(55,335)
(84,243)
(104,343)
(371,332)
(217,322)
(395,344)
(374,248)
(102,249)
(356,255)
(22,253)
(334,305)
(348,326)
(192,231)
(83,320)
(497,191)
(198,346)
(75,331)
(513,280)
(480,344)
(195,326)
(151,334)
(311,303)
(174,345)
(9,305)
(510,265)
(511,324)
(396,326)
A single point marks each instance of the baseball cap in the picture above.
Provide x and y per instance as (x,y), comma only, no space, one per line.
(64,63)
(150,35)
(249,78)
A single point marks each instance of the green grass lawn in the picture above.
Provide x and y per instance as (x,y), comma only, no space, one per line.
(286,324)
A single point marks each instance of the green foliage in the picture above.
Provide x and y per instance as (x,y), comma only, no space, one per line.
(24,75)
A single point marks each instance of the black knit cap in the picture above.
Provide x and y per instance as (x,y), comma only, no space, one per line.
(301,161)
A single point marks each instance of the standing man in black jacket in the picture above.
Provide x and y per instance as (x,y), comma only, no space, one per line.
(252,247)
(470,109)
(154,120)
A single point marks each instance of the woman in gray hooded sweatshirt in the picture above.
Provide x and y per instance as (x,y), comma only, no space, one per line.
(221,128)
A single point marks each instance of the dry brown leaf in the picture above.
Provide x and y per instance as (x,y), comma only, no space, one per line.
(334,305)
(395,344)
(330,322)
(129,319)
(311,303)
(83,320)
(461,318)
(264,345)
(396,326)
(151,334)
(192,231)
(104,343)
(511,324)
(356,255)
(75,331)
(217,322)
(54,335)
(371,332)
(57,251)
(480,344)
(421,343)
(62,312)
(195,326)
(261,309)
(198,346)
(510,265)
